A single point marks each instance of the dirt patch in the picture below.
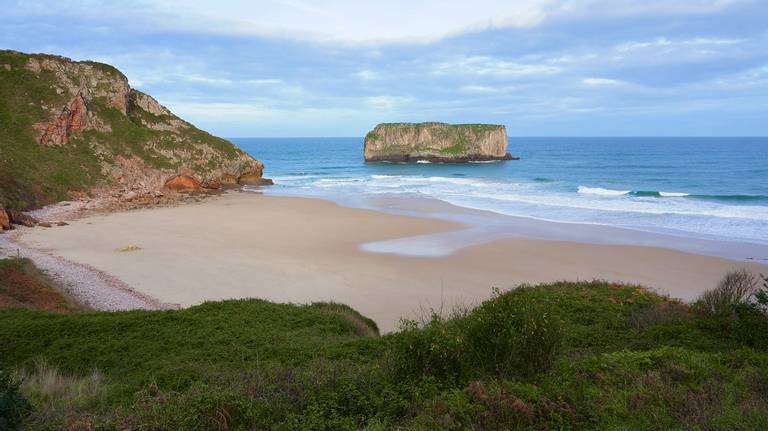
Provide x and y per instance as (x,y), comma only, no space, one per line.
(22,285)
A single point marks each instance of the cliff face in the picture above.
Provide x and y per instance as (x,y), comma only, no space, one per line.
(436,142)
(69,127)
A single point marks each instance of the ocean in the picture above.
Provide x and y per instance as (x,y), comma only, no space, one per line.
(703,188)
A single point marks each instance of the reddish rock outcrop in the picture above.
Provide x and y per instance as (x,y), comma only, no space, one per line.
(73,118)
(5,220)
(183,183)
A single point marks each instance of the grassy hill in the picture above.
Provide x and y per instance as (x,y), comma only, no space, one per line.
(589,355)
(67,127)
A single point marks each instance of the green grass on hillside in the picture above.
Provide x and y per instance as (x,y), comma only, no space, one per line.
(32,174)
(587,355)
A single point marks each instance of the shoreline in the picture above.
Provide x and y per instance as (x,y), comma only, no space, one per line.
(301,250)
(484,226)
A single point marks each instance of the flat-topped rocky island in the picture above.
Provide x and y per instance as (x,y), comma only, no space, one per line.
(436,143)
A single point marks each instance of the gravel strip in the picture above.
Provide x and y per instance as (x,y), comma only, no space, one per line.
(91,287)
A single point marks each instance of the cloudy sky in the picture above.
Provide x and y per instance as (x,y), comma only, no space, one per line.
(337,67)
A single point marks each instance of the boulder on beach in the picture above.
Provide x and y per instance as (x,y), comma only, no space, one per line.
(5,220)
(436,142)
(20,218)
(183,183)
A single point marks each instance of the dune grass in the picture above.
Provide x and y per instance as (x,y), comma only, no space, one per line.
(586,355)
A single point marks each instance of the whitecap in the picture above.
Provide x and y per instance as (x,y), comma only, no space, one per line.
(602,192)
(672,194)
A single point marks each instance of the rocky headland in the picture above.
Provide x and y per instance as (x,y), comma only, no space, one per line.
(436,142)
(76,131)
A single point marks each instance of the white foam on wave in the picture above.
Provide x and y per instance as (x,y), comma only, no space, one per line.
(601,191)
(423,161)
(541,201)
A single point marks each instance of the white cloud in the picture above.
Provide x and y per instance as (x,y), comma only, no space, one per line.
(367,75)
(486,89)
(483,89)
(355,21)
(208,80)
(663,42)
(484,65)
(263,81)
(388,103)
(351,20)
(602,82)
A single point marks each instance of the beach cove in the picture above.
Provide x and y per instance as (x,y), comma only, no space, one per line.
(302,250)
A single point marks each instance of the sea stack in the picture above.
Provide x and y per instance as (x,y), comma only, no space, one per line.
(436,142)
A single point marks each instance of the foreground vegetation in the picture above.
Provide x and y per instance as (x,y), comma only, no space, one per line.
(587,355)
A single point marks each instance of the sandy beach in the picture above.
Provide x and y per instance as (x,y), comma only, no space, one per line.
(285,249)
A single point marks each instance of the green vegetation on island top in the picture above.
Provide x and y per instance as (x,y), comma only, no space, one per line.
(584,355)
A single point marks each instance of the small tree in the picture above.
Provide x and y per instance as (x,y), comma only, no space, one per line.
(734,288)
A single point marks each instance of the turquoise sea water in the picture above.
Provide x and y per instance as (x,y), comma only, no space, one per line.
(708,188)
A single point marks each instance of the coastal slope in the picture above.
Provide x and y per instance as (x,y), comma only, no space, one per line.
(436,142)
(70,127)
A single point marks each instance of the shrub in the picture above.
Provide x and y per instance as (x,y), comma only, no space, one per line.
(733,288)
(658,314)
(509,335)
(432,349)
(751,324)
(363,326)
(58,397)
(13,406)
(718,305)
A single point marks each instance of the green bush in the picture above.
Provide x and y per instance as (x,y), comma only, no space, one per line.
(13,406)
(510,335)
(717,306)
(433,349)
(751,325)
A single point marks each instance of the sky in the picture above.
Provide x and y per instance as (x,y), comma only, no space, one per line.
(281,68)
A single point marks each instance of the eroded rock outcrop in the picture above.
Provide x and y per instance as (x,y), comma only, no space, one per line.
(183,183)
(436,142)
(73,118)
(89,130)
